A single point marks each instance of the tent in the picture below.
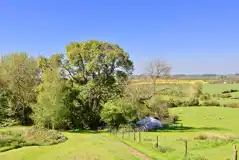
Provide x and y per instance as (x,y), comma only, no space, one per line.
(150,123)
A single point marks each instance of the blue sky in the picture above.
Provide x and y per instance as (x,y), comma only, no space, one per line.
(194,36)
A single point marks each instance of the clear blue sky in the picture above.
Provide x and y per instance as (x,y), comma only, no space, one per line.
(194,36)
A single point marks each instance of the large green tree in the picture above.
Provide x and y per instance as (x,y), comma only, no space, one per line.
(99,70)
(19,73)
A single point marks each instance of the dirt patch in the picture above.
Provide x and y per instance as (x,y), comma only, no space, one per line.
(137,154)
(132,150)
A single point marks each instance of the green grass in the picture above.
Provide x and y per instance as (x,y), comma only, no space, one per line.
(79,146)
(197,121)
(218,88)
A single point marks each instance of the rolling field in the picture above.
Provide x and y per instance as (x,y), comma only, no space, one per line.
(79,146)
(218,88)
(213,121)
(219,125)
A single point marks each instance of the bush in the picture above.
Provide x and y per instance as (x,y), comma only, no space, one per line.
(194,157)
(211,103)
(41,136)
(192,102)
(9,122)
(231,105)
(230,91)
(172,103)
(175,118)
(205,96)
(217,139)
(226,95)
(217,95)
(31,137)
(178,103)
(164,149)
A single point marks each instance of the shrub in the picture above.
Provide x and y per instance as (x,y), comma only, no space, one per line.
(41,136)
(231,105)
(9,122)
(158,108)
(214,136)
(194,157)
(164,149)
(226,96)
(230,91)
(217,95)
(33,136)
(192,102)
(175,118)
(174,103)
(211,103)
(205,96)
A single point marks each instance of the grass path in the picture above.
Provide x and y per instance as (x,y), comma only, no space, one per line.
(80,146)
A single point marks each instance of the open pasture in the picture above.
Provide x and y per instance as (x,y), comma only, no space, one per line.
(218,127)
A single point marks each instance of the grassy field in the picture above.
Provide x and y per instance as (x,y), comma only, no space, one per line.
(218,122)
(218,88)
(79,146)
(212,121)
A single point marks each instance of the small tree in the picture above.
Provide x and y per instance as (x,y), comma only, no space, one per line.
(118,112)
(158,108)
(157,69)
(50,111)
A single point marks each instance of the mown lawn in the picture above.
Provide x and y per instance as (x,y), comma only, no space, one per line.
(79,146)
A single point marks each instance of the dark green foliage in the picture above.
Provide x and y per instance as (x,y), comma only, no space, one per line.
(175,118)
(226,95)
(118,112)
(205,96)
(18,79)
(211,102)
(182,103)
(230,91)
(98,70)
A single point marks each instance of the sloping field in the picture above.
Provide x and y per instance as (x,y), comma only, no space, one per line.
(80,146)
(216,127)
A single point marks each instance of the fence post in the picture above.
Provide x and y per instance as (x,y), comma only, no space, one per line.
(134,135)
(157,144)
(186,147)
(139,136)
(128,132)
(123,133)
(235,152)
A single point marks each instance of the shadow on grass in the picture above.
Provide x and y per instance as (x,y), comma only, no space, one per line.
(85,131)
(191,129)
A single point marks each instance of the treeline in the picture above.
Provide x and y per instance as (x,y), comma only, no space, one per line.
(84,89)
